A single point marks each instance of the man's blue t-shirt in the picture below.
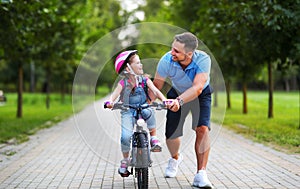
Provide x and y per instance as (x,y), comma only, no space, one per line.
(183,79)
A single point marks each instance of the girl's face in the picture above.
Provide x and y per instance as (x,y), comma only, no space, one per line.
(136,65)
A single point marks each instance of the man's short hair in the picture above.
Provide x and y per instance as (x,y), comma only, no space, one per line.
(189,40)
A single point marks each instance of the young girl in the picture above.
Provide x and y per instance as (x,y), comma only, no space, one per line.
(133,90)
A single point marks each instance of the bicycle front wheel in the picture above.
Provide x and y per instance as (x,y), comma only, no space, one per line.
(142,177)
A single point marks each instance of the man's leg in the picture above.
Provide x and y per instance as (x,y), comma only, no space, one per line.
(176,158)
(173,147)
(174,130)
(202,142)
(173,141)
(202,147)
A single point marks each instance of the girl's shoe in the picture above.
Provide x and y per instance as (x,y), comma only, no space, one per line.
(155,145)
(123,169)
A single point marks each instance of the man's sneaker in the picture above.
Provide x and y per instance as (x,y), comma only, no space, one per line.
(172,168)
(123,171)
(201,180)
(155,145)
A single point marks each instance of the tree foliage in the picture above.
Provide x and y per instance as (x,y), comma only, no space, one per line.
(51,35)
(44,41)
(244,35)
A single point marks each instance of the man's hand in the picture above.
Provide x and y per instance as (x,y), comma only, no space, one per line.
(172,104)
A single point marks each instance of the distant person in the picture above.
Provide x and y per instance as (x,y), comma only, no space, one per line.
(189,71)
(133,89)
(2,97)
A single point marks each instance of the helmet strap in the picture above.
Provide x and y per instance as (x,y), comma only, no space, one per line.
(131,70)
(135,75)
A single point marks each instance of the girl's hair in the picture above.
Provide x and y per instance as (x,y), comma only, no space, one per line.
(131,57)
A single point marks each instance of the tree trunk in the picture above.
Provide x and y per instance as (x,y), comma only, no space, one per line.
(286,85)
(228,94)
(270,84)
(63,91)
(48,89)
(32,77)
(20,91)
(216,98)
(294,82)
(245,108)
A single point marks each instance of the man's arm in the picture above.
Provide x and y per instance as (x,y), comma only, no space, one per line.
(155,91)
(196,89)
(192,92)
(159,83)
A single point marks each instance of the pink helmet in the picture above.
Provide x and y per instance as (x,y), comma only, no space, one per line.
(122,59)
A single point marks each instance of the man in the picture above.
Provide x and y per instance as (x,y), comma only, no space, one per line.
(188,69)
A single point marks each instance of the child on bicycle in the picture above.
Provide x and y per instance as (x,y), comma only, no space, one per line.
(132,89)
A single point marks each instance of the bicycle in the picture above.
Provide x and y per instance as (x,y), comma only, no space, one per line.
(140,153)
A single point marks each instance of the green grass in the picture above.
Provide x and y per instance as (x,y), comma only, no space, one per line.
(281,132)
(35,114)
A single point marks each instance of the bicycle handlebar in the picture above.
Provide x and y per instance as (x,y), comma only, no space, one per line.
(122,106)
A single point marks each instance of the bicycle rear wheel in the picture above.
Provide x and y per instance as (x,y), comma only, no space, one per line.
(142,177)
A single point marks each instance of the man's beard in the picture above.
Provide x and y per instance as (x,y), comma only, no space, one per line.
(178,60)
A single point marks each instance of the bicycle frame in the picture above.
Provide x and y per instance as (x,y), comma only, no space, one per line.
(140,152)
(140,141)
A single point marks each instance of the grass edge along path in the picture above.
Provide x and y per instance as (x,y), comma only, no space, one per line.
(35,114)
(281,132)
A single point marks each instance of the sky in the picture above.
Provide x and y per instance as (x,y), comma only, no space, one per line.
(131,5)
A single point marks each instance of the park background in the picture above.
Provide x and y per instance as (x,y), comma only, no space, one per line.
(255,43)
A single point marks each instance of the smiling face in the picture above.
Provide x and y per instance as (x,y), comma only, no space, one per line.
(136,65)
(179,53)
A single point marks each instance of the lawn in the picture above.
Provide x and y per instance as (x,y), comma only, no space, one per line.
(35,114)
(281,132)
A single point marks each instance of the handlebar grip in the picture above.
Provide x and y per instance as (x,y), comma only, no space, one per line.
(106,103)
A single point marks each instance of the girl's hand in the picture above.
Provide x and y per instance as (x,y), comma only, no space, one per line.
(172,104)
(108,104)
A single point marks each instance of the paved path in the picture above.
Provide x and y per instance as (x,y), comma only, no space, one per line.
(83,152)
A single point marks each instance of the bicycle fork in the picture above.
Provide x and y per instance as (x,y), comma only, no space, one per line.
(140,150)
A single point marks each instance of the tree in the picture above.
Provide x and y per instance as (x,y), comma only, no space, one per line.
(250,34)
(274,26)
(17,39)
(56,55)
(39,32)
(101,18)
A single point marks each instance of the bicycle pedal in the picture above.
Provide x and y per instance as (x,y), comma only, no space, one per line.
(126,174)
(156,149)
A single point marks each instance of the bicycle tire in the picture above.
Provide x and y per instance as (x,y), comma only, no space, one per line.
(142,156)
(142,177)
